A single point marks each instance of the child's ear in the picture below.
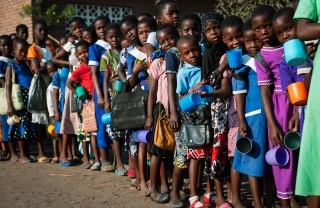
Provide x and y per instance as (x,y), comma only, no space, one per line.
(224,40)
(179,31)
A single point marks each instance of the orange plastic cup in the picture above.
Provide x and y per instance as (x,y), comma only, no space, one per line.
(298,93)
(51,130)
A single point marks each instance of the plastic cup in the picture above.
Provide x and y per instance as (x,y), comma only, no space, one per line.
(278,156)
(244,145)
(145,136)
(295,52)
(292,140)
(298,93)
(234,58)
(51,130)
(13,120)
(106,118)
(73,60)
(118,85)
(206,88)
(189,102)
(81,93)
(64,73)
(44,60)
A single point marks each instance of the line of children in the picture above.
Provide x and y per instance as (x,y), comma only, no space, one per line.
(247,101)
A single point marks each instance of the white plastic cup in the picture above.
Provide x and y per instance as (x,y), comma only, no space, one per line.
(13,120)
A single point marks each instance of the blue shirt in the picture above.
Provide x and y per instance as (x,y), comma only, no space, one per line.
(23,75)
(96,51)
(188,77)
(3,65)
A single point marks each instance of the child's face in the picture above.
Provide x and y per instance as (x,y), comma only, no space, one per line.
(71,39)
(76,29)
(20,52)
(87,37)
(129,31)
(63,41)
(82,53)
(114,38)
(143,32)
(166,39)
(232,37)
(125,43)
(41,31)
(100,27)
(212,32)
(23,33)
(190,52)
(284,28)
(170,14)
(190,27)
(6,47)
(51,70)
(262,27)
(251,43)
(13,38)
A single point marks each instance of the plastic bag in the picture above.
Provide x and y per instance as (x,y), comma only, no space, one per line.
(37,92)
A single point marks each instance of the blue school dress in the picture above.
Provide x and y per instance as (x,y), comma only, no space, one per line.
(245,81)
(5,127)
(59,83)
(95,53)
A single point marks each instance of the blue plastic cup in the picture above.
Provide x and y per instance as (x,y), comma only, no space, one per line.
(295,52)
(64,73)
(106,118)
(118,85)
(206,88)
(234,58)
(189,102)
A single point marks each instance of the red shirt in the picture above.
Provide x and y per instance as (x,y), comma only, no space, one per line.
(83,75)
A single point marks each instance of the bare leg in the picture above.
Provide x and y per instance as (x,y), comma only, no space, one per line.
(229,192)
(70,141)
(255,187)
(164,187)
(270,191)
(314,202)
(103,154)
(21,148)
(193,174)
(285,203)
(176,184)
(85,149)
(235,186)
(142,162)
(200,175)
(12,149)
(55,150)
(94,147)
(41,132)
(117,155)
(219,189)
(63,153)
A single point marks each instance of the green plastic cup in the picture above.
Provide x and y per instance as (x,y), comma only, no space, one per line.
(81,93)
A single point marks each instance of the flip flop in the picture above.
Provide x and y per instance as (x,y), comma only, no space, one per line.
(65,164)
(107,167)
(225,205)
(24,161)
(164,198)
(95,166)
(14,158)
(176,204)
(43,159)
(86,166)
(135,187)
(131,173)
(120,173)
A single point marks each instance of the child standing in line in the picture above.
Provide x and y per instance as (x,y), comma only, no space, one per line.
(307,15)
(26,129)
(108,64)
(22,31)
(158,101)
(279,112)
(83,75)
(38,56)
(51,68)
(6,46)
(252,122)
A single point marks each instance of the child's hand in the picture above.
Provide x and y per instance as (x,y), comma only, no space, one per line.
(51,120)
(10,111)
(294,122)
(242,129)
(107,105)
(101,102)
(139,66)
(174,121)
(197,87)
(311,50)
(276,136)
(57,116)
(149,124)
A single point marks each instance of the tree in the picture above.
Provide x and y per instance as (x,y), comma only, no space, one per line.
(243,8)
(50,15)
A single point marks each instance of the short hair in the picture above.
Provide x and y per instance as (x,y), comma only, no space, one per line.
(189,16)
(286,11)
(129,19)
(21,27)
(187,38)
(247,26)
(6,37)
(82,43)
(103,18)
(263,10)
(145,14)
(39,22)
(13,34)
(170,27)
(151,22)
(160,6)
(113,26)
(78,19)
(92,31)
(232,21)
(22,42)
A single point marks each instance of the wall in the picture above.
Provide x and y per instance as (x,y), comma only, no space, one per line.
(10,17)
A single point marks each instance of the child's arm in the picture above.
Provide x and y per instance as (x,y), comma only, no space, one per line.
(57,59)
(37,66)
(2,82)
(150,49)
(223,92)
(137,68)
(172,86)
(276,136)
(106,85)
(57,115)
(240,105)
(10,110)
(294,121)
(70,85)
(95,78)
(308,29)
(153,86)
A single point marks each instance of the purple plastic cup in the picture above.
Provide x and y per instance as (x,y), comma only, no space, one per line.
(277,156)
(144,136)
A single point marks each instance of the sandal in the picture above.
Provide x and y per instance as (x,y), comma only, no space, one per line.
(95,166)
(209,201)
(195,202)
(164,198)
(43,159)
(55,160)
(86,166)
(107,167)
(135,187)
(131,173)
(121,173)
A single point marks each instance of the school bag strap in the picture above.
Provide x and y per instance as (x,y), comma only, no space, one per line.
(259,58)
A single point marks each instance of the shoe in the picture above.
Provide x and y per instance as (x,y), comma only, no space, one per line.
(135,187)
(43,159)
(209,201)
(14,158)
(86,166)
(164,198)
(120,173)
(195,202)
(65,164)
(95,166)
(226,205)
(24,161)
(176,204)
(131,173)
(107,167)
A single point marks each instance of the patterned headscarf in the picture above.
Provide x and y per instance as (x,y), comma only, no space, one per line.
(211,17)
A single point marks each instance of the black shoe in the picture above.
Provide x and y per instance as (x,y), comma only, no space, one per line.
(164,198)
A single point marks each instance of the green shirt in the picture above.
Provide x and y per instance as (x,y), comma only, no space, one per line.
(110,58)
(308,9)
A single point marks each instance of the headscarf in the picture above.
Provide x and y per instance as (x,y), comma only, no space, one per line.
(212,53)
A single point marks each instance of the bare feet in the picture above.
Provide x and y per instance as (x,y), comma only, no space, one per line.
(144,190)
(237,204)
